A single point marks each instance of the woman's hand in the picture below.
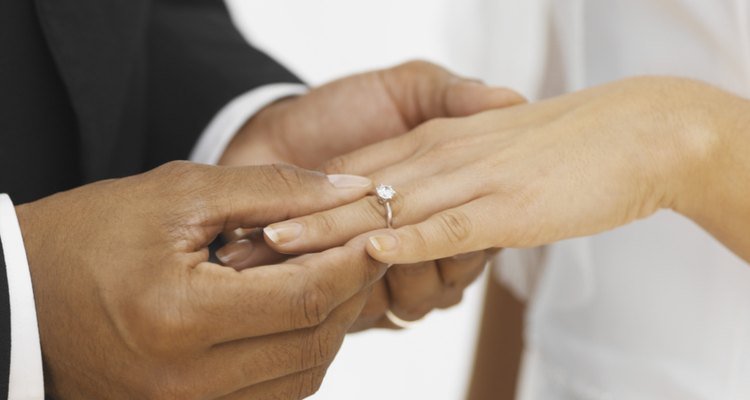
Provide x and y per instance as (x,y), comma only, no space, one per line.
(571,166)
(348,114)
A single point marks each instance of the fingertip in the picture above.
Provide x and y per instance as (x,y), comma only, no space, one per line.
(468,97)
(384,243)
(282,233)
(237,254)
(509,97)
(383,247)
(344,181)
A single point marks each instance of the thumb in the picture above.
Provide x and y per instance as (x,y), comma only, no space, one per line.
(466,97)
(256,196)
(422,91)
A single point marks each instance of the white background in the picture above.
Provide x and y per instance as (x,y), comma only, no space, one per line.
(325,39)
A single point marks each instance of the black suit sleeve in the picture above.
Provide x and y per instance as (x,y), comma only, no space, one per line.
(197,63)
(4,327)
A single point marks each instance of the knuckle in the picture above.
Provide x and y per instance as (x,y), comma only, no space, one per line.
(286,176)
(420,242)
(456,226)
(160,331)
(326,340)
(336,165)
(308,383)
(177,166)
(313,307)
(326,222)
(182,175)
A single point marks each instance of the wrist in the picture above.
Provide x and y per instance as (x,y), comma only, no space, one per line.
(711,136)
(258,140)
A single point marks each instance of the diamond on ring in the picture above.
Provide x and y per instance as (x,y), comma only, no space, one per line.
(385,192)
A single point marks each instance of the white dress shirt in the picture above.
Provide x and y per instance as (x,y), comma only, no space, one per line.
(26,376)
(658,309)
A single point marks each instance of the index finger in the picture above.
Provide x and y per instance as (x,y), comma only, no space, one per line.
(413,203)
(228,305)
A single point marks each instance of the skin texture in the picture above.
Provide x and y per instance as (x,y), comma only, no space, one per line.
(125,263)
(572,166)
(348,114)
(130,307)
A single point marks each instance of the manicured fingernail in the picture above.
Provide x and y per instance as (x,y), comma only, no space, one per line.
(349,181)
(384,242)
(284,232)
(235,253)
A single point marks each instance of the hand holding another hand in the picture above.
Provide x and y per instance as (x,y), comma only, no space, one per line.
(349,114)
(525,176)
(130,307)
(355,111)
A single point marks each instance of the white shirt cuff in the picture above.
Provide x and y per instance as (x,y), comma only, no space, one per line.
(229,120)
(26,374)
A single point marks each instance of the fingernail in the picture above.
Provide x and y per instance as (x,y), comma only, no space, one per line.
(238,234)
(284,232)
(235,253)
(241,232)
(384,242)
(349,181)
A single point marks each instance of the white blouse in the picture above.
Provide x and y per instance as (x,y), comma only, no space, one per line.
(657,309)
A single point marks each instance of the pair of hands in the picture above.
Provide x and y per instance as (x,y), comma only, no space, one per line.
(124,264)
(346,115)
(130,306)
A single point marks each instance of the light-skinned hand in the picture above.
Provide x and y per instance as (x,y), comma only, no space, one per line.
(571,166)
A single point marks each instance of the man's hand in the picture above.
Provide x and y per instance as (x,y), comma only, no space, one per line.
(130,307)
(359,110)
(411,291)
(346,115)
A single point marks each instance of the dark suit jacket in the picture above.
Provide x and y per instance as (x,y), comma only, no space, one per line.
(94,89)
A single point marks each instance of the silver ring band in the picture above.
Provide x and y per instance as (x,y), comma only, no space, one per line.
(389,215)
(385,193)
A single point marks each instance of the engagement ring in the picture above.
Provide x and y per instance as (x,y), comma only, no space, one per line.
(385,193)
